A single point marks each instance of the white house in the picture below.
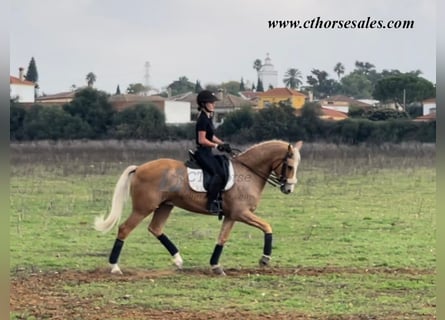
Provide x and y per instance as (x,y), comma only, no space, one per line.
(429,106)
(21,90)
(176,112)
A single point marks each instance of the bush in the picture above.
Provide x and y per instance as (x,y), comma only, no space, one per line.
(385,114)
(140,122)
(239,120)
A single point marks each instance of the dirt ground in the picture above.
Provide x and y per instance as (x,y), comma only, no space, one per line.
(42,295)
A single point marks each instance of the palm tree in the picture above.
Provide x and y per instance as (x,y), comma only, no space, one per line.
(292,78)
(91,78)
(257,64)
(364,67)
(339,69)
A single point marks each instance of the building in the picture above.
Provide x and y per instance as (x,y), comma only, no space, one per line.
(426,118)
(330,114)
(251,96)
(21,90)
(268,75)
(342,103)
(56,99)
(429,106)
(176,112)
(272,96)
(227,103)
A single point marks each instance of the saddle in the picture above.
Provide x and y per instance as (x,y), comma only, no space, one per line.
(199,179)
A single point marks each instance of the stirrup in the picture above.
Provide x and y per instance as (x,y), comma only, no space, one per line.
(214,207)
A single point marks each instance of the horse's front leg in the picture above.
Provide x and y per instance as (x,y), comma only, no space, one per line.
(251,219)
(226,227)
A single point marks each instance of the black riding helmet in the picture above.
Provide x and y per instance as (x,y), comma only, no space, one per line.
(205,96)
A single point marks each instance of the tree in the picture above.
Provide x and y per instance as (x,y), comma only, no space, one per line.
(321,85)
(357,85)
(53,123)
(339,69)
(259,86)
(136,88)
(231,87)
(140,121)
(212,87)
(241,85)
(16,116)
(238,120)
(278,122)
(292,78)
(92,106)
(257,65)
(392,89)
(32,74)
(364,67)
(118,90)
(182,85)
(198,87)
(91,79)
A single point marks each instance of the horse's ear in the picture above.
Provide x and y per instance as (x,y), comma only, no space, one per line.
(299,144)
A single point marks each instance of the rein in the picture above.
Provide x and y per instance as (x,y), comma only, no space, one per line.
(272,178)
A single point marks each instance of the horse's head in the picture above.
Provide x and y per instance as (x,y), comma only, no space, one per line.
(287,169)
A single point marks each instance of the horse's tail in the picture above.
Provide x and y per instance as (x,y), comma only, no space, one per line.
(120,196)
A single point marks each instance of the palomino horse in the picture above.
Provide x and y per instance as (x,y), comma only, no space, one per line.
(157,186)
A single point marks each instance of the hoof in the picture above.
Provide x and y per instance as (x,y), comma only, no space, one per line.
(115,269)
(264,261)
(177,260)
(218,270)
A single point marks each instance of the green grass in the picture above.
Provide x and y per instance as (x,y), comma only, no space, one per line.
(327,294)
(366,216)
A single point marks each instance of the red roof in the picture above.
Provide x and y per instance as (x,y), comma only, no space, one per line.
(350,101)
(250,94)
(333,113)
(430,100)
(15,80)
(427,117)
(281,92)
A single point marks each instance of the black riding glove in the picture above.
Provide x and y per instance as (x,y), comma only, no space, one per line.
(224,147)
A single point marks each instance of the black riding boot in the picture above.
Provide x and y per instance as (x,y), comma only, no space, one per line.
(213,203)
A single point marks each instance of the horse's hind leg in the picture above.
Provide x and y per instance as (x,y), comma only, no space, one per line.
(156,227)
(124,230)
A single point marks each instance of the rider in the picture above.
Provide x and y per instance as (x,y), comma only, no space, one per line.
(206,140)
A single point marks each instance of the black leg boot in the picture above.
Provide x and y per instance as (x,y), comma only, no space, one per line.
(213,205)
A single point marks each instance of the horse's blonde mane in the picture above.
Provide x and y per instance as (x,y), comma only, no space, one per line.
(260,144)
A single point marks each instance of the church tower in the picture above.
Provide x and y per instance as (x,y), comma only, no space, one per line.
(267,74)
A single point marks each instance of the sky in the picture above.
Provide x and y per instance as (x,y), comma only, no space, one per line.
(210,41)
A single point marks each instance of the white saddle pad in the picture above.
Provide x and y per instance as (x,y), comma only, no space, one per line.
(196,179)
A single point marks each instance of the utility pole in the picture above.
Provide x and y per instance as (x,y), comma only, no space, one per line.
(404,100)
(147,77)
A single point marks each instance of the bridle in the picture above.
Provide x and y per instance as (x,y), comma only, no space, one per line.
(272,178)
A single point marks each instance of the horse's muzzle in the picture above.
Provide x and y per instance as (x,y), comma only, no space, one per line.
(286,189)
